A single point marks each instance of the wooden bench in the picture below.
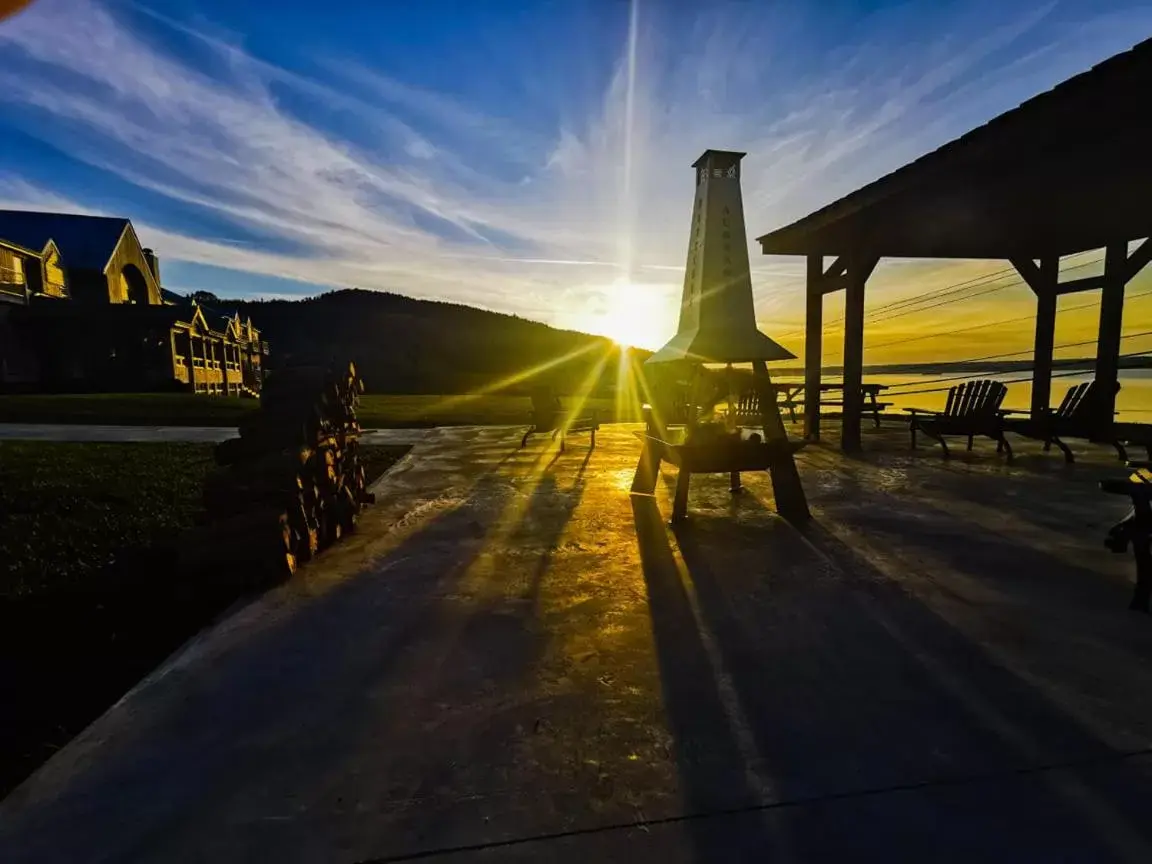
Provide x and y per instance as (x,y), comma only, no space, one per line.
(973,408)
(725,454)
(1078,416)
(548,415)
(1135,528)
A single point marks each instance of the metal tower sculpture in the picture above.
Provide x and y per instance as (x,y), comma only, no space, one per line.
(718,325)
(717,318)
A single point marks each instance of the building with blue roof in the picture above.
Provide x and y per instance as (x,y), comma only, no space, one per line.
(82,308)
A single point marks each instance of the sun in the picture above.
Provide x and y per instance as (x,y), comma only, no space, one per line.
(632,314)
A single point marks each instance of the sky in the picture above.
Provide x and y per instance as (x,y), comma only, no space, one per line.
(529,157)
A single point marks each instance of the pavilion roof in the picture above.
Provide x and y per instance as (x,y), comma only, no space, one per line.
(1063,172)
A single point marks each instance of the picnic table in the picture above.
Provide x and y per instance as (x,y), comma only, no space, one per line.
(792,396)
(723,454)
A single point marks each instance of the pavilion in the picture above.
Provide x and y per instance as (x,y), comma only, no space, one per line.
(1065,172)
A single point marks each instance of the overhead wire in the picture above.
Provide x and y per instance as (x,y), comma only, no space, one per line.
(876,315)
(1003,321)
(1068,374)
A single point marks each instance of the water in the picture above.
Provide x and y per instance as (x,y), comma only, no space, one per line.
(1134,401)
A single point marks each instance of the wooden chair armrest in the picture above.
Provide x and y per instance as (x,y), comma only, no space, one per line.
(1013,411)
(915,411)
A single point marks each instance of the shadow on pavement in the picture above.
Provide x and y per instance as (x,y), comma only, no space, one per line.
(849,686)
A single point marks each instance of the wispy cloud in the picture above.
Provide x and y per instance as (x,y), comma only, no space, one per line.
(387,185)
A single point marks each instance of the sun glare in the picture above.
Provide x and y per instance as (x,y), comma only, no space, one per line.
(632,315)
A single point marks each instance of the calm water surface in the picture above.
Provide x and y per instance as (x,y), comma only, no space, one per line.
(1134,402)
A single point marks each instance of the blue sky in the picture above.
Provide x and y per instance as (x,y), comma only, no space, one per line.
(528,157)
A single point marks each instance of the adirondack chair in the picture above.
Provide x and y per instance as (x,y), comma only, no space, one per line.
(548,416)
(1138,434)
(671,406)
(973,408)
(1077,417)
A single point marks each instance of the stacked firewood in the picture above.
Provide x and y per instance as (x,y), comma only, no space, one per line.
(292,483)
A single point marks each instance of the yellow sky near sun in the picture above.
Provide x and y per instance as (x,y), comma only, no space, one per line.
(996,323)
(990,313)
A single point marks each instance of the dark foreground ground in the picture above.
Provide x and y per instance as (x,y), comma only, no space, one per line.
(516,660)
(90,597)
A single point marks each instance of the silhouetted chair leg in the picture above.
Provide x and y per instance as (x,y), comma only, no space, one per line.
(1068,457)
(1143,591)
(524,440)
(970,439)
(1002,443)
(680,502)
(734,485)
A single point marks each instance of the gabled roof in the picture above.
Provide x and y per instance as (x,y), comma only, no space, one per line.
(85,242)
(198,318)
(16,247)
(224,323)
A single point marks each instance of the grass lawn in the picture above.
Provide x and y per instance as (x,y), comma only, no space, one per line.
(183,409)
(68,510)
(89,602)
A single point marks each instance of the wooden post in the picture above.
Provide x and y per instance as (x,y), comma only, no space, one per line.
(813,347)
(859,269)
(1111,318)
(191,355)
(1045,334)
(769,411)
(791,502)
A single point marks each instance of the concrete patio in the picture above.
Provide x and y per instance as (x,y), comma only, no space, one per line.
(516,660)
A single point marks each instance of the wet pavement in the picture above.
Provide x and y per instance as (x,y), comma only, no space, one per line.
(516,660)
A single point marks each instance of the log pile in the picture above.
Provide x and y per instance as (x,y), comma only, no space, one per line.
(292,483)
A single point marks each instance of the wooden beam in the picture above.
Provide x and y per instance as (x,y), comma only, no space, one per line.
(1139,259)
(832,284)
(813,347)
(1111,319)
(1046,275)
(859,269)
(1074,286)
(837,268)
(1030,273)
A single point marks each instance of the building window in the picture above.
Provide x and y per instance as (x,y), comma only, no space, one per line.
(11,268)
